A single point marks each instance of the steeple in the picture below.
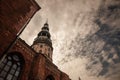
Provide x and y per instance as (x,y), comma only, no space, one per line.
(46,26)
(43,44)
(79,78)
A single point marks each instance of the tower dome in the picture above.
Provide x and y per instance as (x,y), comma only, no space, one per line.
(43,44)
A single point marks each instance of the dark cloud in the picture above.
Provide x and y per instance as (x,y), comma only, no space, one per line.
(105,66)
(108,21)
(102,47)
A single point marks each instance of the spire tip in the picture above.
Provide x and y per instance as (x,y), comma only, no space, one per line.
(47,20)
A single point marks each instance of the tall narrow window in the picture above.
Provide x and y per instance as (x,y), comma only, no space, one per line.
(10,67)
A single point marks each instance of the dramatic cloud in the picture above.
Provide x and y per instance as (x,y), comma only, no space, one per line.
(85,34)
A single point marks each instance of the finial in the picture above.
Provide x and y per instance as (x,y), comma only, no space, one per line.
(46,23)
(47,20)
(79,78)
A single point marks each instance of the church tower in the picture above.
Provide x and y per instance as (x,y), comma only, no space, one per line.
(43,44)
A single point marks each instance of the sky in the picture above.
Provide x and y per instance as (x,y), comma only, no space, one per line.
(85,36)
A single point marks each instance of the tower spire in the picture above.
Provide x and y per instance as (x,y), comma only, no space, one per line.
(46,26)
(43,44)
(79,78)
(47,20)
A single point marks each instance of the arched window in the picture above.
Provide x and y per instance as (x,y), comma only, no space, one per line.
(10,67)
(50,77)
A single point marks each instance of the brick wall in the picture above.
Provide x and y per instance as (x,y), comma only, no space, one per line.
(14,14)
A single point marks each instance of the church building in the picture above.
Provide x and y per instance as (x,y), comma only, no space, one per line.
(18,60)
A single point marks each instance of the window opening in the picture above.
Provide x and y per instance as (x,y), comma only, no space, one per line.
(10,68)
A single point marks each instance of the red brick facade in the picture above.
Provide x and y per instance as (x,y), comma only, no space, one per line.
(37,66)
(14,15)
